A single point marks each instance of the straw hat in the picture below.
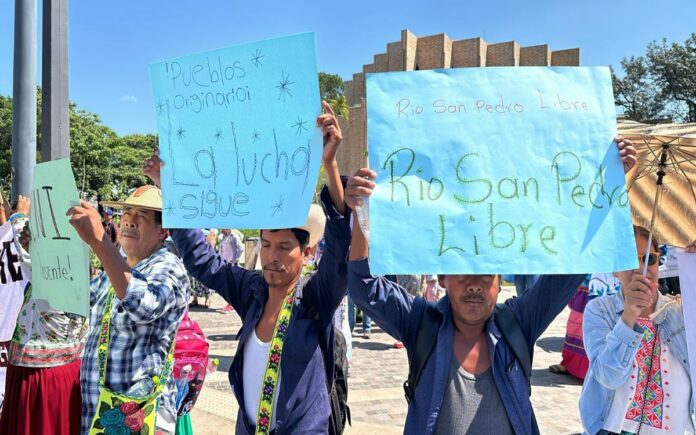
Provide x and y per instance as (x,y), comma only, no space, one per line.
(146,197)
(316,220)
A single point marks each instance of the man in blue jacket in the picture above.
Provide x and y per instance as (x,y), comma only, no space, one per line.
(472,381)
(301,399)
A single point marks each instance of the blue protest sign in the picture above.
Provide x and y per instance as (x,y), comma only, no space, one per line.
(496,170)
(237,135)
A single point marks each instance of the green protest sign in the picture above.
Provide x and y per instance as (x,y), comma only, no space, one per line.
(60,260)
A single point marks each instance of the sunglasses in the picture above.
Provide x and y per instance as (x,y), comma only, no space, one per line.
(652,258)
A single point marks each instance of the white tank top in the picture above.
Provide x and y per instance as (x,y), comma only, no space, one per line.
(255,357)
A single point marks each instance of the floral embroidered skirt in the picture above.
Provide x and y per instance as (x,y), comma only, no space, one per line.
(42,401)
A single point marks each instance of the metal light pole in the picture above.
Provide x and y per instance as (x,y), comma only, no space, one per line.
(55,120)
(24,98)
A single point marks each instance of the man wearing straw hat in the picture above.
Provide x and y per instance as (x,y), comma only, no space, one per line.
(285,354)
(145,295)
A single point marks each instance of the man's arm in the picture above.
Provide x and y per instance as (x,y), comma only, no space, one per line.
(87,222)
(610,348)
(539,306)
(233,283)
(147,298)
(328,286)
(386,303)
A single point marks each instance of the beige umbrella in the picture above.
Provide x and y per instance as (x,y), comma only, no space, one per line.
(662,186)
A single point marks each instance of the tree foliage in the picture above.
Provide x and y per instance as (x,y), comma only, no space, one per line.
(331,88)
(105,165)
(661,84)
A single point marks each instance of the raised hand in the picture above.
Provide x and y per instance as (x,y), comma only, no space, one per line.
(638,295)
(87,222)
(23,205)
(331,131)
(359,186)
(152,167)
(627,152)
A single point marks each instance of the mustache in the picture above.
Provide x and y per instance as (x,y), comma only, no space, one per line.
(130,233)
(274,267)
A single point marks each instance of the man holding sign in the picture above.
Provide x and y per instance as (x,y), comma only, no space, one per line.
(468,364)
(284,389)
(136,306)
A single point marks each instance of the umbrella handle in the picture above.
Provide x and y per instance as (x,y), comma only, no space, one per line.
(658,195)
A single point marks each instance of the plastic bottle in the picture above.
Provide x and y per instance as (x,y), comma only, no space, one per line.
(363,212)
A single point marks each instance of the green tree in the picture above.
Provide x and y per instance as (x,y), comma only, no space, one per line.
(5,144)
(105,165)
(660,84)
(636,92)
(674,70)
(331,88)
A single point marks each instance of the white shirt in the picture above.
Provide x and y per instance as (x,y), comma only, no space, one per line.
(676,390)
(255,358)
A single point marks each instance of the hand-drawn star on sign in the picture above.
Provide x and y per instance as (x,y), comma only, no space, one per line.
(218,135)
(256,57)
(170,209)
(283,86)
(277,206)
(181,133)
(255,136)
(299,126)
(160,107)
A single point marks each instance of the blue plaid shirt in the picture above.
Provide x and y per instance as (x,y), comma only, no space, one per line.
(143,328)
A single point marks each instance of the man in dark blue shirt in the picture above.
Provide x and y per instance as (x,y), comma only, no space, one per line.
(468,341)
(301,402)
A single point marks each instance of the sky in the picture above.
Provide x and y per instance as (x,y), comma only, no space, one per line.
(111,44)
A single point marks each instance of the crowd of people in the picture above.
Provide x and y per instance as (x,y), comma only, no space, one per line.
(469,356)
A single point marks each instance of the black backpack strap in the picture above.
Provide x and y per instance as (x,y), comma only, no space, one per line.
(510,329)
(425,342)
(310,307)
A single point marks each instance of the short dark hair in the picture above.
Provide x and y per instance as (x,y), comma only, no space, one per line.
(158,218)
(638,230)
(302,236)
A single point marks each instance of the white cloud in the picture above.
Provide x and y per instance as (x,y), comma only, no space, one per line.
(129,98)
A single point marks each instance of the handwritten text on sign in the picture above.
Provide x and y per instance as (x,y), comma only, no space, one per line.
(13,281)
(237,135)
(60,261)
(497,170)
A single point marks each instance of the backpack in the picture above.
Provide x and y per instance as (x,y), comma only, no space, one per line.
(338,386)
(191,355)
(427,336)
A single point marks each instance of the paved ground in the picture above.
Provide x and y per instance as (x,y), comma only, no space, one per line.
(376,396)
